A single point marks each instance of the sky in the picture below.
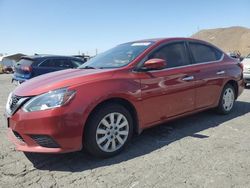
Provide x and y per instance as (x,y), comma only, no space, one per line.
(69,27)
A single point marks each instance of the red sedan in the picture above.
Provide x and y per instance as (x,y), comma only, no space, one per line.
(120,92)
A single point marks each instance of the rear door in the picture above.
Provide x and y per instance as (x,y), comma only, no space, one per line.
(169,92)
(210,73)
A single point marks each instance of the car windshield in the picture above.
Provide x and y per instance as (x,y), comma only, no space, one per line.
(118,56)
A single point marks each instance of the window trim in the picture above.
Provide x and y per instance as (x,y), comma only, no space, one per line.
(140,64)
(204,44)
(190,65)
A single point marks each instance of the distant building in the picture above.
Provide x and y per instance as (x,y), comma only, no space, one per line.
(9,60)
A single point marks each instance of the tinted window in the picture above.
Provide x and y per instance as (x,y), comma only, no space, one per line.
(204,53)
(63,63)
(57,63)
(47,63)
(175,54)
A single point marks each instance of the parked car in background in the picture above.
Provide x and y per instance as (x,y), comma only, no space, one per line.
(134,86)
(31,66)
(8,69)
(7,65)
(246,69)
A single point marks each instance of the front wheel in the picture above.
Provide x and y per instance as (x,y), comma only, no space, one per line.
(108,130)
(227,100)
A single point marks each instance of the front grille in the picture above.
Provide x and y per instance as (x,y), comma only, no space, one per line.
(18,136)
(45,141)
(14,102)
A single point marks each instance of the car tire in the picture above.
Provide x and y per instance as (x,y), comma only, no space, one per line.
(227,100)
(108,130)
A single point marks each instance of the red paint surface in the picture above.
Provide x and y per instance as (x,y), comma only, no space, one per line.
(157,97)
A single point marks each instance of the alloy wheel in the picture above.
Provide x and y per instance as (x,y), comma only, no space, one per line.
(112,132)
(228,99)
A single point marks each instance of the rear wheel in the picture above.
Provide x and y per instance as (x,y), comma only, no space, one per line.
(108,130)
(227,100)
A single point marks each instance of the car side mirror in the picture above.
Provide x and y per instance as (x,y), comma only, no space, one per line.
(154,64)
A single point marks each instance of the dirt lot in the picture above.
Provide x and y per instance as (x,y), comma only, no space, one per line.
(203,150)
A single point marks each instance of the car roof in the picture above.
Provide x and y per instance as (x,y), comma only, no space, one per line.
(161,40)
(46,56)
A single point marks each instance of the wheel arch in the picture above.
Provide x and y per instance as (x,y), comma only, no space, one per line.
(235,86)
(121,101)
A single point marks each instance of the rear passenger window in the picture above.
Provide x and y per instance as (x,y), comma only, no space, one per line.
(175,54)
(62,63)
(204,53)
(47,63)
(57,63)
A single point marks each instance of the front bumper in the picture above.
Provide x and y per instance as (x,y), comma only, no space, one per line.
(49,131)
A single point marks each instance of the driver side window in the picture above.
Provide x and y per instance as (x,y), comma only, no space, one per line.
(175,54)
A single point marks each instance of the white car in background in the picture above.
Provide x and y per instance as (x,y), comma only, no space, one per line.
(246,69)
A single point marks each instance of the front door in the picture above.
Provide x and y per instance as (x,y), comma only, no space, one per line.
(171,91)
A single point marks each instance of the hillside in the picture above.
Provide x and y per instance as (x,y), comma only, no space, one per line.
(228,39)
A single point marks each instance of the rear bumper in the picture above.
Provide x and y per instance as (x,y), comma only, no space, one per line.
(20,78)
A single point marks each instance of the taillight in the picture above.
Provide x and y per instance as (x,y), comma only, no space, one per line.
(26,68)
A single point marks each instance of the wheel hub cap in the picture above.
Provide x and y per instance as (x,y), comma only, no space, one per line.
(112,132)
(228,99)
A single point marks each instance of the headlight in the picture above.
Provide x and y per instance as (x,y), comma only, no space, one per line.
(52,99)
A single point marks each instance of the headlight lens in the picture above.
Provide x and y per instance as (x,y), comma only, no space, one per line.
(52,99)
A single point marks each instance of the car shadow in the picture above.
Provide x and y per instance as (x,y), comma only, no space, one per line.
(150,140)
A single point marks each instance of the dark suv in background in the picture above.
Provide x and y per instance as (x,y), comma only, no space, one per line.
(32,66)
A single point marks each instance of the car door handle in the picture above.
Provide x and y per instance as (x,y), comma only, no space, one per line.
(220,72)
(188,78)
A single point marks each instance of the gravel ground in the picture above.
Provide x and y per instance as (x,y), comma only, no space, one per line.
(203,150)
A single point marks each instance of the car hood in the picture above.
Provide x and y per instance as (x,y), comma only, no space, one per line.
(60,79)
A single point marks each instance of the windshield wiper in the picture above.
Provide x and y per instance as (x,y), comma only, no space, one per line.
(87,67)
